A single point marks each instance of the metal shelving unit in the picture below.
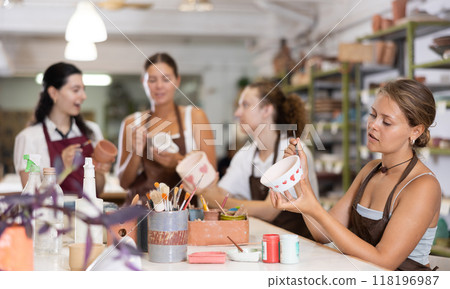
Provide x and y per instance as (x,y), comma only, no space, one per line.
(402,35)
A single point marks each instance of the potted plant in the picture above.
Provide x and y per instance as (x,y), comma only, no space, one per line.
(17,213)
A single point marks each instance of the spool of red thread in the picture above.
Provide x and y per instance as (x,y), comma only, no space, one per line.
(271,248)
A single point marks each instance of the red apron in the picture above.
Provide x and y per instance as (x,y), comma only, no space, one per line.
(73,183)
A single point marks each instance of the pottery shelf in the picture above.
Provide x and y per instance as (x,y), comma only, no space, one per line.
(400,32)
(404,35)
(440,64)
(439,151)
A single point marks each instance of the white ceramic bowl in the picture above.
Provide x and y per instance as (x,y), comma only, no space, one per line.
(192,167)
(283,175)
(249,255)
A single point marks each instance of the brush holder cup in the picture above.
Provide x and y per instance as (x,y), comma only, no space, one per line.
(168,236)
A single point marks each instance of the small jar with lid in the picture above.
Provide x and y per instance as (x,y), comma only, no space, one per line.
(289,249)
(271,248)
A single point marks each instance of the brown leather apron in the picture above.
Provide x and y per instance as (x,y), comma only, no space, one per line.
(287,220)
(370,230)
(73,183)
(155,172)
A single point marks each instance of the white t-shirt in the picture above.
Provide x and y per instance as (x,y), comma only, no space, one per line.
(236,179)
(31,140)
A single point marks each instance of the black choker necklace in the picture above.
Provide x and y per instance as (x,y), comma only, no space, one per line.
(384,169)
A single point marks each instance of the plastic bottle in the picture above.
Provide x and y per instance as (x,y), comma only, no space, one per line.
(34,181)
(34,178)
(289,249)
(92,208)
(49,242)
(271,248)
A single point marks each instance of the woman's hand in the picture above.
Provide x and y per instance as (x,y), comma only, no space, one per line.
(68,155)
(295,148)
(168,160)
(103,168)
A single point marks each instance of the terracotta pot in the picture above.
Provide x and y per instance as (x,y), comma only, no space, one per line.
(105,152)
(16,250)
(386,23)
(399,9)
(211,215)
(376,22)
(379,51)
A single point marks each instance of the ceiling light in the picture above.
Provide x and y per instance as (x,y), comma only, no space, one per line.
(80,51)
(88,79)
(86,24)
(195,5)
(9,3)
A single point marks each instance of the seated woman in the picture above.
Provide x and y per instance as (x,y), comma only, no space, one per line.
(390,212)
(58,131)
(262,106)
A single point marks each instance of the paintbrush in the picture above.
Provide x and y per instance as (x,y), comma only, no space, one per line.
(157,200)
(195,189)
(205,206)
(186,196)
(225,200)
(174,199)
(221,209)
(179,193)
(237,246)
(86,143)
(135,200)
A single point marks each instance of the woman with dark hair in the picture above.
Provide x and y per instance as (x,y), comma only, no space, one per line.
(390,212)
(262,106)
(58,131)
(140,166)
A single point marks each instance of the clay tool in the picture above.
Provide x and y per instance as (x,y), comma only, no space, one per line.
(225,200)
(195,189)
(237,246)
(220,208)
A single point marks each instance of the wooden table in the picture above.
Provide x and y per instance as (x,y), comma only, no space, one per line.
(313,256)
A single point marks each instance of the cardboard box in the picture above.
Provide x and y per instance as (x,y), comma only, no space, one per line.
(356,53)
(203,233)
